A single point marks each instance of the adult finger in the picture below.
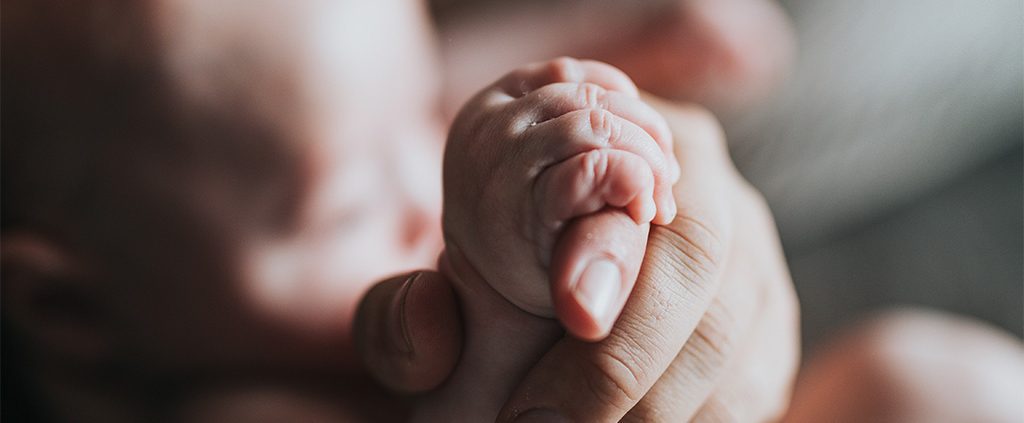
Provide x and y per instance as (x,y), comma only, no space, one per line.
(740,362)
(602,381)
(691,378)
(594,267)
(757,387)
(408,331)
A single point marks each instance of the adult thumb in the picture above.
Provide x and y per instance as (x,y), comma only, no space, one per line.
(594,267)
(408,331)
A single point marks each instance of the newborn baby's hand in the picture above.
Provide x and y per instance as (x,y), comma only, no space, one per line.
(547,144)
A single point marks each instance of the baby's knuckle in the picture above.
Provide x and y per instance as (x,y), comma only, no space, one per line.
(591,96)
(602,125)
(564,69)
(595,167)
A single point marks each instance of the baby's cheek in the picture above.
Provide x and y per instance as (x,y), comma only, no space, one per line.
(313,281)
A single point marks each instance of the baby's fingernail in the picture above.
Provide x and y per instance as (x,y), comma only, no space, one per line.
(670,209)
(648,210)
(597,290)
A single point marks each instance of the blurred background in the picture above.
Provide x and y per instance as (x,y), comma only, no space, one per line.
(891,157)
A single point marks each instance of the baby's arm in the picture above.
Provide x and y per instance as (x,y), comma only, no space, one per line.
(540,164)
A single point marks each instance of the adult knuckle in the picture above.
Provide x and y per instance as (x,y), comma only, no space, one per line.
(716,333)
(704,122)
(776,405)
(707,354)
(647,411)
(698,127)
(616,380)
(745,404)
(701,250)
(716,410)
(751,197)
(670,299)
(701,241)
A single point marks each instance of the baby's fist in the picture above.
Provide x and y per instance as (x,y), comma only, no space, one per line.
(547,145)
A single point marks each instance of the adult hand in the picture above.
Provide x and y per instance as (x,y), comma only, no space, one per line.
(710,329)
(708,333)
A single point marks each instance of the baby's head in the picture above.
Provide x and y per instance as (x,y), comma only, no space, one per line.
(205,186)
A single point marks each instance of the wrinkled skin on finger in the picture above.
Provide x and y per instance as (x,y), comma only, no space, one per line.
(515,136)
(537,166)
(710,331)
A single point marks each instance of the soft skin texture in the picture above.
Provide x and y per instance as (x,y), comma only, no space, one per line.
(547,149)
(710,330)
(545,144)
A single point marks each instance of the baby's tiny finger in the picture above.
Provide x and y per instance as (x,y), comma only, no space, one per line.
(591,129)
(666,203)
(554,100)
(591,181)
(565,69)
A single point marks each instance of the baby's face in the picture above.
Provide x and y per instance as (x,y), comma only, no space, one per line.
(346,163)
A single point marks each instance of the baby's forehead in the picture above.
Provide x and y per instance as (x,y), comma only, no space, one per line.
(148,101)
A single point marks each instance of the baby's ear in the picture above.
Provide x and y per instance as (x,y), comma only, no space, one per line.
(48,300)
